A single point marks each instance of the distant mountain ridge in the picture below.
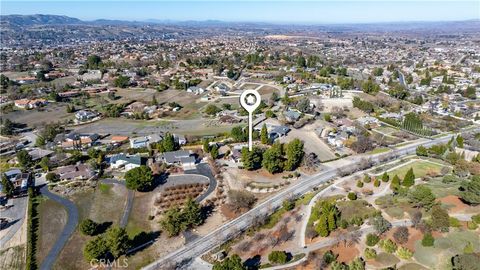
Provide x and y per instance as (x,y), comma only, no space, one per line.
(37,19)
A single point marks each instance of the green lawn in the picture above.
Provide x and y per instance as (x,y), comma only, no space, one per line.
(378,150)
(357,208)
(420,169)
(441,189)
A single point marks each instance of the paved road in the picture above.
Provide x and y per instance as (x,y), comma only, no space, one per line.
(128,205)
(68,229)
(234,227)
(16,215)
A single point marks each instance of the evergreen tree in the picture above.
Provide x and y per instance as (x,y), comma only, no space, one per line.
(294,154)
(8,187)
(395,184)
(385,177)
(409,179)
(272,159)
(264,135)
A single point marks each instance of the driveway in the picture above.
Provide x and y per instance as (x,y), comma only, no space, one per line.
(68,229)
(204,169)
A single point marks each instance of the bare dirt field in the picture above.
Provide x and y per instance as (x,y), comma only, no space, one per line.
(454,204)
(312,143)
(52,113)
(13,258)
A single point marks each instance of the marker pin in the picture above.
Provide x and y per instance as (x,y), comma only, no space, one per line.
(250,100)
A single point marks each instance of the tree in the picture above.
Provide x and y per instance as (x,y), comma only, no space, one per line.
(169,143)
(95,249)
(460,141)
(376,183)
(370,253)
(233,262)
(172,221)
(378,71)
(395,184)
(139,178)
(192,213)
(252,160)
(117,241)
(356,264)
(362,144)
(428,240)
(359,183)
(422,196)
(52,177)
(322,226)
(24,159)
(440,219)
(264,135)
(288,205)
(211,109)
(370,87)
(7,127)
(93,61)
(416,218)
(88,227)
(294,154)
(240,200)
(238,134)
(385,177)
(388,245)
(404,253)
(8,186)
(277,257)
(401,235)
(303,105)
(470,190)
(372,239)
(214,151)
(121,81)
(380,224)
(352,196)
(409,179)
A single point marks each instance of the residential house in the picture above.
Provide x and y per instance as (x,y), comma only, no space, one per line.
(196,90)
(180,139)
(75,172)
(144,141)
(127,162)
(21,181)
(30,103)
(278,132)
(38,153)
(85,115)
(180,157)
(292,116)
(80,140)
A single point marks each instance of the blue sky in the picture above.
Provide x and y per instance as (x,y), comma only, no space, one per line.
(356,11)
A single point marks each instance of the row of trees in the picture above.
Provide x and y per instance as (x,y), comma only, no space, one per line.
(277,158)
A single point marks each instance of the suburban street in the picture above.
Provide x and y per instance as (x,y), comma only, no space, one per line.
(236,226)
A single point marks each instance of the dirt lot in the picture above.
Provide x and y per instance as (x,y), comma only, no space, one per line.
(53,112)
(13,258)
(104,205)
(312,143)
(52,219)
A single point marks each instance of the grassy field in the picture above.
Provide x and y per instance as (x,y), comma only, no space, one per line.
(438,256)
(357,208)
(105,204)
(386,259)
(52,113)
(52,219)
(420,169)
(378,150)
(441,189)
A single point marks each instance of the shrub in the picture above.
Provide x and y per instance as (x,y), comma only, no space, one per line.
(352,196)
(376,183)
(366,178)
(329,257)
(288,205)
(469,248)
(454,222)
(428,240)
(476,219)
(472,225)
(404,253)
(385,177)
(388,245)
(401,235)
(372,239)
(359,184)
(370,253)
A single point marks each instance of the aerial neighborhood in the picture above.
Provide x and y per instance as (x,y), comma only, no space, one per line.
(125,143)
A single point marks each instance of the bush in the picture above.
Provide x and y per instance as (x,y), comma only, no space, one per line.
(288,205)
(370,253)
(404,253)
(372,239)
(472,225)
(401,235)
(454,222)
(52,177)
(352,196)
(359,184)
(376,183)
(277,257)
(329,257)
(476,219)
(367,179)
(428,240)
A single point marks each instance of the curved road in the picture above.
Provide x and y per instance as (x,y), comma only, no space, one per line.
(187,253)
(68,229)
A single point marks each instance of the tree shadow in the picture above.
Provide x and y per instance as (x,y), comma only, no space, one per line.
(253,262)
(102,227)
(142,241)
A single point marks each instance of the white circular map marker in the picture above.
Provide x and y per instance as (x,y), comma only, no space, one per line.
(250,100)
